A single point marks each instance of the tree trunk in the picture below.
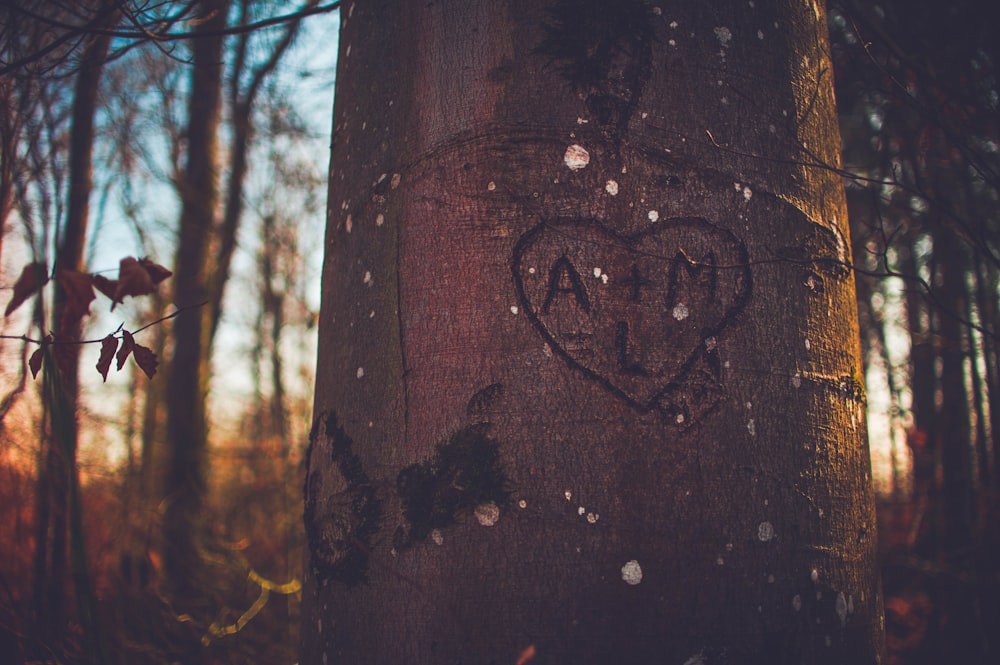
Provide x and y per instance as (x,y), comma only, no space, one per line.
(61,379)
(589,386)
(187,435)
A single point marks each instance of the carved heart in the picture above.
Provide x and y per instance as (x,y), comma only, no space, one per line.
(632,312)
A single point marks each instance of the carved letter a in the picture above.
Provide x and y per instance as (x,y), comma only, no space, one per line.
(563,278)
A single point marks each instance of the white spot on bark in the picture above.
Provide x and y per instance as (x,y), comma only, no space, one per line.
(360,373)
(711,343)
(394,183)
(487,513)
(582,121)
(581,510)
(679,419)
(632,572)
(673,24)
(765,532)
(576,157)
(611,187)
(814,575)
(654,215)
(719,561)
(348,224)
(593,517)
(841,607)
(680,311)
(597,273)
(437,537)
(752,428)
(513,309)
(368,278)
(724,35)
(747,192)
(379,219)
(808,345)
(568,494)
(492,186)
(797,380)
(797,602)
(760,34)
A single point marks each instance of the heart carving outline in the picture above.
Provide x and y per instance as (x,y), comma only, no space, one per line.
(632,312)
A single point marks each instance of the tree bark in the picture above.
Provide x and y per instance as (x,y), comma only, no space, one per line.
(589,386)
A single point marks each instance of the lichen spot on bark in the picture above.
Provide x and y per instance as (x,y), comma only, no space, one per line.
(576,157)
(632,572)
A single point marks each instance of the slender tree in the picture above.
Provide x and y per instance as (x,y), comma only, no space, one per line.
(187,428)
(589,386)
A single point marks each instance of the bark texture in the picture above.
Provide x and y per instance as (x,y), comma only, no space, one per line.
(589,388)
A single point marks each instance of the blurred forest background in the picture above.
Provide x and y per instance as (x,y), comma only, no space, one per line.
(155,519)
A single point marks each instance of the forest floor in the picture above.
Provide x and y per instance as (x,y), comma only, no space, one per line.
(942,604)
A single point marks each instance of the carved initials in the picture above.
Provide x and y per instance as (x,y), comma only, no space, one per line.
(629,332)
(635,281)
(703,271)
(564,278)
(625,363)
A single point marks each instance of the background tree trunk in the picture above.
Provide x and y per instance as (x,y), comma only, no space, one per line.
(589,386)
(187,429)
(64,536)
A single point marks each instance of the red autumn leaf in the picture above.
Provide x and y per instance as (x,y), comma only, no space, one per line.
(145,359)
(32,278)
(133,279)
(157,273)
(79,290)
(108,347)
(126,348)
(105,286)
(35,361)
(138,277)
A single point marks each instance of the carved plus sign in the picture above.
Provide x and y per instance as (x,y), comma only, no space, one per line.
(635,281)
